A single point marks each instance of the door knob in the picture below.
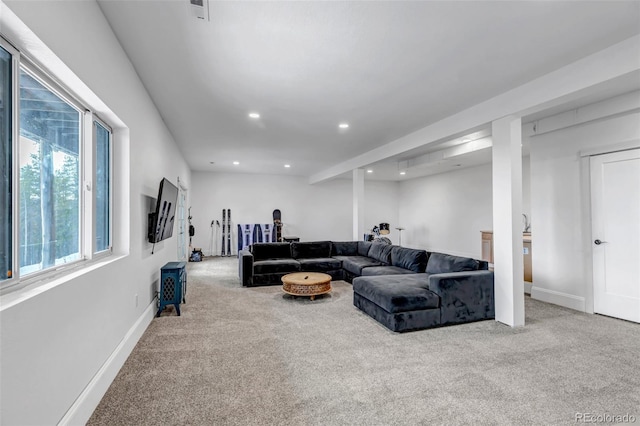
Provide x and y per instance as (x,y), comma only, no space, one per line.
(598,242)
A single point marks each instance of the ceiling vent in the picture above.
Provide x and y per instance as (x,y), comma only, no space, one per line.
(200,9)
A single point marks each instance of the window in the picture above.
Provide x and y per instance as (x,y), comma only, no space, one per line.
(50,198)
(6,173)
(56,162)
(102,187)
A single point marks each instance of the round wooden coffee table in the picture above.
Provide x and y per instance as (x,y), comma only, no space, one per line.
(306,284)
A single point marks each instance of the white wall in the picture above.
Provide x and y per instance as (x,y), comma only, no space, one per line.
(381,206)
(561,262)
(71,335)
(526,189)
(446,212)
(311,212)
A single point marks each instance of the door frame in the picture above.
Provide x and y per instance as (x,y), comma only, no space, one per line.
(586,228)
(183,190)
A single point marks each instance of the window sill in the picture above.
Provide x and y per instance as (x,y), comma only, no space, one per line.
(28,288)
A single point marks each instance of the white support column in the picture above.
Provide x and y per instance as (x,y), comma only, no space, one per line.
(507,220)
(358,204)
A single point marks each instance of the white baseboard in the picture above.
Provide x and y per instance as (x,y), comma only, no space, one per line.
(84,406)
(557,298)
(527,287)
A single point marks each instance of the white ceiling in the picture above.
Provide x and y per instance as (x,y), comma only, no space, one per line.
(386,68)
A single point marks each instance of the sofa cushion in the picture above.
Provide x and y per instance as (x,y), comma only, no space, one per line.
(363,248)
(319,264)
(381,252)
(385,270)
(441,263)
(311,250)
(344,248)
(411,259)
(397,293)
(275,265)
(264,251)
(354,264)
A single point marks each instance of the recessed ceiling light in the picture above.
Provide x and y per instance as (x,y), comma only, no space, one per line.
(235,163)
(403,173)
(287,166)
(254,115)
(369,171)
(344,125)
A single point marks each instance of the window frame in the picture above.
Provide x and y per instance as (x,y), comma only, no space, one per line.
(15,161)
(94,143)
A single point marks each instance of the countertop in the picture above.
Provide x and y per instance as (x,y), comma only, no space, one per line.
(526,236)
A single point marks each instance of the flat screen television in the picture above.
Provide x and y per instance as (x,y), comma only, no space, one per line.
(161,220)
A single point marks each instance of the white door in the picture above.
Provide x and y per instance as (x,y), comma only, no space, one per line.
(615,213)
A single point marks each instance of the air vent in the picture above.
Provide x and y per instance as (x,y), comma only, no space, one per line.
(200,9)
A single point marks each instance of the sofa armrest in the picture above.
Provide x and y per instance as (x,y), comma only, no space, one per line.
(464,296)
(245,262)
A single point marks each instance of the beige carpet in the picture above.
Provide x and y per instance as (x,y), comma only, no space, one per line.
(254,356)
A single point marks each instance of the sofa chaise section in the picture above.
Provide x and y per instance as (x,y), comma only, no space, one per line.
(453,290)
(464,296)
(399,302)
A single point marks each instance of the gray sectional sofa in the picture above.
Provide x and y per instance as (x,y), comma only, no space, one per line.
(402,288)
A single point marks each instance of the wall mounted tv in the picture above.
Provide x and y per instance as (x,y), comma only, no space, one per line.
(161,220)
